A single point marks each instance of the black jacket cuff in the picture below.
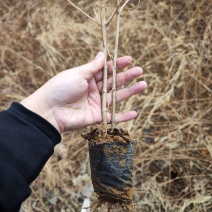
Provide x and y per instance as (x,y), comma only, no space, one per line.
(26,140)
(39,122)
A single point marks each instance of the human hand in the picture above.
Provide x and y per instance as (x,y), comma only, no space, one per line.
(72,99)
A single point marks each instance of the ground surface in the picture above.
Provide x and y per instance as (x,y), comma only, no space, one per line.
(172,41)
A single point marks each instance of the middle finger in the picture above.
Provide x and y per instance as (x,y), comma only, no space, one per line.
(122,62)
(122,78)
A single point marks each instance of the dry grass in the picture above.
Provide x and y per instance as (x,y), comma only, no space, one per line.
(172,41)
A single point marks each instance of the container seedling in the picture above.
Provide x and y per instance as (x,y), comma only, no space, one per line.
(111,150)
(111,162)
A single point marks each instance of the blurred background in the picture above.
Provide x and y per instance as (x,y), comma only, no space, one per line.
(172,41)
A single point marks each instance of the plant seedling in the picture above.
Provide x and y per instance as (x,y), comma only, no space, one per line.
(111,150)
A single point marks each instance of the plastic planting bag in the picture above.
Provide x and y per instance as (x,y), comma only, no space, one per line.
(111,162)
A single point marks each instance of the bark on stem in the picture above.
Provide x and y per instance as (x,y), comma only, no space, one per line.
(115,67)
(118,16)
(104,92)
(114,13)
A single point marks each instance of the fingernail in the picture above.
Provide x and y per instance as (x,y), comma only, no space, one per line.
(99,55)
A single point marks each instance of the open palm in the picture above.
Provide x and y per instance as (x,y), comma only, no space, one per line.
(73,97)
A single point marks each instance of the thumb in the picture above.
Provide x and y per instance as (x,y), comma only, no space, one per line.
(88,70)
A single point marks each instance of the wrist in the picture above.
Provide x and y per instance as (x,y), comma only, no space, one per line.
(40,107)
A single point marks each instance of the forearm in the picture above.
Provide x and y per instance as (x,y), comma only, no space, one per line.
(26,143)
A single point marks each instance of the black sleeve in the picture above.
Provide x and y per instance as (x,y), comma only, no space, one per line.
(26,143)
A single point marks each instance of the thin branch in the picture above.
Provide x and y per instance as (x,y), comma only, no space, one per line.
(118,16)
(113,14)
(104,91)
(115,67)
(122,7)
(77,8)
(97,17)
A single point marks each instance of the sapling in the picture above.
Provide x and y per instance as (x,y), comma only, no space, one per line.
(104,23)
(111,150)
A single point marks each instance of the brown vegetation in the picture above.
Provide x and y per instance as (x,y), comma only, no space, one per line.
(172,41)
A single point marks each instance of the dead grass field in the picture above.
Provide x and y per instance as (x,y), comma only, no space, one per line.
(172,41)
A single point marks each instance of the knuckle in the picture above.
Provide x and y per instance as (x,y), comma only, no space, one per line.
(94,65)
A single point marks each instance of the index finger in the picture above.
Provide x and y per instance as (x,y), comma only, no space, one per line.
(122,62)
